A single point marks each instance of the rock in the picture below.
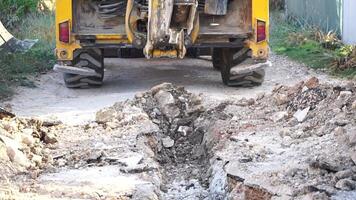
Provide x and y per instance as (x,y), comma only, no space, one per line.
(352,137)
(344,174)
(164,98)
(166,104)
(184,130)
(344,94)
(345,184)
(353,156)
(3,152)
(167,142)
(50,138)
(16,156)
(278,116)
(354,105)
(163,86)
(36,159)
(312,83)
(281,99)
(27,139)
(317,196)
(105,115)
(341,136)
(131,160)
(301,115)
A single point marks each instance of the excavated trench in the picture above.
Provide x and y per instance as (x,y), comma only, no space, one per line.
(180,150)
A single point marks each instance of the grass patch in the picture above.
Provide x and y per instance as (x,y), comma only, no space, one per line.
(309,46)
(18,67)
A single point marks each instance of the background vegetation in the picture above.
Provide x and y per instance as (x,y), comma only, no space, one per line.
(26,19)
(308,44)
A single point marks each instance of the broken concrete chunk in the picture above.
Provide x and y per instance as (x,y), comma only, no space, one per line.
(281,99)
(3,152)
(312,83)
(301,115)
(346,184)
(184,130)
(17,156)
(50,138)
(164,98)
(344,174)
(163,86)
(167,142)
(278,116)
(131,160)
(105,115)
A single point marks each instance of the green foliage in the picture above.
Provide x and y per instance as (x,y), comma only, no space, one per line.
(312,47)
(17,68)
(13,11)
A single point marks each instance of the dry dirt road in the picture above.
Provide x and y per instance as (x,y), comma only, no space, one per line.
(125,77)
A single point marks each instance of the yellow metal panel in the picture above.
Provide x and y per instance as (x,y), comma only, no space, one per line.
(260,11)
(64,13)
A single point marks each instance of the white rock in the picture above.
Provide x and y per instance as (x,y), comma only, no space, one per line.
(27,139)
(37,159)
(131,160)
(17,156)
(300,115)
(278,116)
(164,98)
(3,152)
(105,115)
(167,142)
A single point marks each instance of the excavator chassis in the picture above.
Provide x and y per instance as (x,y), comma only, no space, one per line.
(234,32)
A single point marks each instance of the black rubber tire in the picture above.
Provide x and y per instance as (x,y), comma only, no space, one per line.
(217,58)
(93,59)
(251,79)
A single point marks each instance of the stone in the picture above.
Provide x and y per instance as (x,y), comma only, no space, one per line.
(344,94)
(281,99)
(353,156)
(341,136)
(345,184)
(164,98)
(131,160)
(50,138)
(105,115)
(278,116)
(3,152)
(312,83)
(352,137)
(167,142)
(301,115)
(36,159)
(27,139)
(17,156)
(184,130)
(160,87)
(354,105)
(344,174)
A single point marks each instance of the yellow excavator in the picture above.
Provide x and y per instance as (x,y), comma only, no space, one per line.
(233,32)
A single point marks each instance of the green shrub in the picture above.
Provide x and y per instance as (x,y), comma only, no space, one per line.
(13,11)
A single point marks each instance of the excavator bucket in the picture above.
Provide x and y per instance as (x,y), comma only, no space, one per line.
(10,44)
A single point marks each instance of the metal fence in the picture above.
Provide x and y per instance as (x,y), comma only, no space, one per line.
(327,14)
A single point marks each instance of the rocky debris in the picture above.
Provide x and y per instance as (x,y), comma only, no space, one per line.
(300,115)
(167,142)
(5,113)
(22,143)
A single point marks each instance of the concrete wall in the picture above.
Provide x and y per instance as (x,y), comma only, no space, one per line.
(326,14)
(349,22)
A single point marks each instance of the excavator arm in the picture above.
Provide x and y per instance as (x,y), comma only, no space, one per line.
(9,43)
